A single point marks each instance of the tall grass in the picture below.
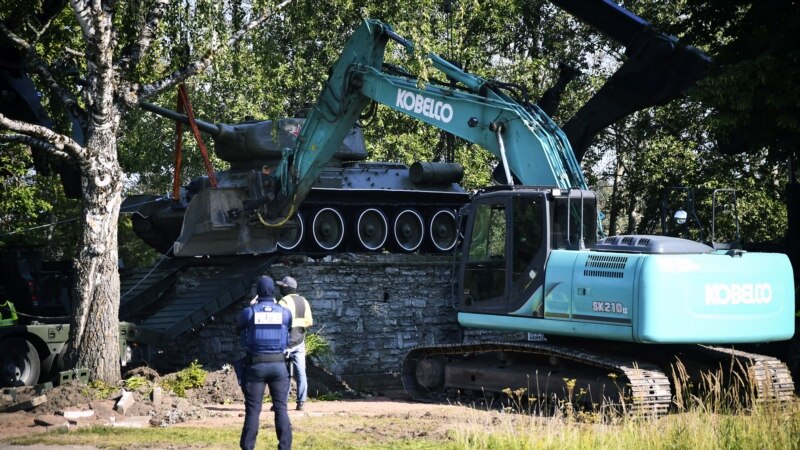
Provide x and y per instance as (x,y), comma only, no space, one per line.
(717,410)
(767,429)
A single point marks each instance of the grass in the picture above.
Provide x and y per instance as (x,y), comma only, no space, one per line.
(715,414)
(127,438)
(766,427)
(319,433)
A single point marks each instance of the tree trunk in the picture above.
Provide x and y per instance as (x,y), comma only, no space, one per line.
(94,332)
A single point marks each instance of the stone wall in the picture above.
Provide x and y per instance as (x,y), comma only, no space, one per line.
(371,309)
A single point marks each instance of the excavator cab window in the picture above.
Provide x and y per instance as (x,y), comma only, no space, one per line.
(574,220)
(506,253)
(528,238)
(485,265)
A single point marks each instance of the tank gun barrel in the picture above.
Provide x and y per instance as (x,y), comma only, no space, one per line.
(245,145)
(210,128)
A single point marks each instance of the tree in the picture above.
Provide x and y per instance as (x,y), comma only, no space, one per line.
(752,88)
(285,67)
(99,84)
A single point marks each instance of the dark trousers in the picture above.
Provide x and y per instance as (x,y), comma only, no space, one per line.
(257,377)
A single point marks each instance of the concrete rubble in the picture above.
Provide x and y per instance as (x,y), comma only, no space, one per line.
(97,412)
(26,405)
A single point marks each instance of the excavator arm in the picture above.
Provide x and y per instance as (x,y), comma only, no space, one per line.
(525,139)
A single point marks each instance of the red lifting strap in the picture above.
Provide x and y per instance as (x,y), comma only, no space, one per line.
(176,176)
(183,101)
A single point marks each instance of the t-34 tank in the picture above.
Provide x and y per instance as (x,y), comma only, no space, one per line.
(353,205)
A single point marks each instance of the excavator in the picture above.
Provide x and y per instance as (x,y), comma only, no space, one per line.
(617,311)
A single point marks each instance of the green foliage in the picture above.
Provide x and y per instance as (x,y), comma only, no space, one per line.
(33,209)
(752,87)
(133,251)
(136,383)
(285,64)
(18,194)
(329,397)
(189,378)
(121,438)
(318,347)
(99,389)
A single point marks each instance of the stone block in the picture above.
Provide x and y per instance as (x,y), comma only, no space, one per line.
(125,402)
(132,422)
(156,396)
(43,387)
(419,303)
(10,394)
(27,405)
(75,413)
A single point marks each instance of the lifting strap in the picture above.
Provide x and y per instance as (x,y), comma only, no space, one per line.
(184,103)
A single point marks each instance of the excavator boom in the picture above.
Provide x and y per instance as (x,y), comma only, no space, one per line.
(525,139)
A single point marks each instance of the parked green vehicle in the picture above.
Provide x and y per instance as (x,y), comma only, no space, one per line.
(34,327)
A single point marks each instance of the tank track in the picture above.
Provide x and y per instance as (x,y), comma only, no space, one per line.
(645,386)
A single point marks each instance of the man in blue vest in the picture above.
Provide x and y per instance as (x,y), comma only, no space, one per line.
(265,327)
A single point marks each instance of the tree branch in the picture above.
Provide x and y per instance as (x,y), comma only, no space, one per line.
(130,60)
(34,142)
(73,52)
(137,93)
(256,22)
(40,67)
(83,15)
(58,141)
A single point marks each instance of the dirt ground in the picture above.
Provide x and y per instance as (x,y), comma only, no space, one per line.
(218,403)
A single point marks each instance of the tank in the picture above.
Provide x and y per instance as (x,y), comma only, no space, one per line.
(353,205)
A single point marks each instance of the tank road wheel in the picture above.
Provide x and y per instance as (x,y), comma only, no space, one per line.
(19,363)
(443,230)
(373,229)
(292,234)
(328,228)
(409,229)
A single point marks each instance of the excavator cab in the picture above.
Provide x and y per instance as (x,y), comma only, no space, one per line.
(510,233)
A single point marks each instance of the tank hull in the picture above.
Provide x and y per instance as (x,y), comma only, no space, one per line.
(330,219)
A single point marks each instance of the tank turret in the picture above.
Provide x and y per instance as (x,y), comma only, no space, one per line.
(353,205)
(256,143)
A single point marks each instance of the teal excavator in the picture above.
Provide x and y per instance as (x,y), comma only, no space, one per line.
(617,311)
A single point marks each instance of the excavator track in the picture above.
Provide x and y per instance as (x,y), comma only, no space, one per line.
(770,377)
(631,378)
(644,388)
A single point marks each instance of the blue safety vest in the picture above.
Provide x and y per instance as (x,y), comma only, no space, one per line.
(268,329)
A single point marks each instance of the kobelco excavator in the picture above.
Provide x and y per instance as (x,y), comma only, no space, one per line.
(617,310)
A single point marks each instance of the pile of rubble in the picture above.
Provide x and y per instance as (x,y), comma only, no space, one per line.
(147,402)
(75,403)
